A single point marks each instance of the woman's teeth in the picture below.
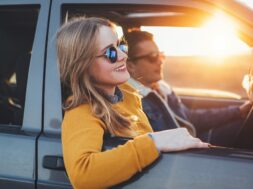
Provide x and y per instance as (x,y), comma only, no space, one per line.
(120,69)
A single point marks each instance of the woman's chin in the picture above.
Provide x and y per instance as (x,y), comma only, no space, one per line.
(124,77)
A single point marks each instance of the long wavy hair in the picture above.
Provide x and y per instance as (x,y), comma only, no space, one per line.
(76,49)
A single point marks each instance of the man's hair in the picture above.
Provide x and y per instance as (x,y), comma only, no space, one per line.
(133,38)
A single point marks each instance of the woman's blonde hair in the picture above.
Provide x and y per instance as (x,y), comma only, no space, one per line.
(76,49)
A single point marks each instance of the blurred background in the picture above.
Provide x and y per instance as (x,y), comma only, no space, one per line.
(210,60)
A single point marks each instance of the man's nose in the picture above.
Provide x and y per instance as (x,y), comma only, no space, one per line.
(159,61)
(161,58)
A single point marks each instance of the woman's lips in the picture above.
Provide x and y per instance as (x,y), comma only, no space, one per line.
(121,68)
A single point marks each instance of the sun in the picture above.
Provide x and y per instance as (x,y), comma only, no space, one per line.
(217,37)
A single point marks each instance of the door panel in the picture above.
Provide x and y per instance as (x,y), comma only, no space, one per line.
(49,177)
(23,30)
(213,168)
(49,144)
(174,170)
(17,161)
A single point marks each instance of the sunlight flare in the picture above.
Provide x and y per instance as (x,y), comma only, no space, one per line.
(217,38)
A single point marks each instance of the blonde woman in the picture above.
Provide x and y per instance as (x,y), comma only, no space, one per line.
(92,62)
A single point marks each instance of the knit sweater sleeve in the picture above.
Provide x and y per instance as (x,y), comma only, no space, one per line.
(87,166)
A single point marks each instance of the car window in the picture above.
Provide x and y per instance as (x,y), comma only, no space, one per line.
(205,55)
(16,39)
(200,62)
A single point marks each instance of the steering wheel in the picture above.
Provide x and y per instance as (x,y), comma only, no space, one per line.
(245,136)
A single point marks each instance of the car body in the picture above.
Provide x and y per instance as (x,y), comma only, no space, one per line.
(30,139)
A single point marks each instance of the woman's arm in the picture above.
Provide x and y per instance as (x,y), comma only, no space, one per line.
(87,166)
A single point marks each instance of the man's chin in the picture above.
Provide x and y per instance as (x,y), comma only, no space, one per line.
(157,79)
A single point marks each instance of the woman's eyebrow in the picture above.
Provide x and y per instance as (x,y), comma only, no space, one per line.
(110,45)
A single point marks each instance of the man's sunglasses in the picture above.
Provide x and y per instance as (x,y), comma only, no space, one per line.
(112,54)
(151,57)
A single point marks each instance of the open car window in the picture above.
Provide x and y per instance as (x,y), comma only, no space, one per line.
(209,60)
(205,53)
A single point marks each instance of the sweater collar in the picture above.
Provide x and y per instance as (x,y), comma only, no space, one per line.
(117,97)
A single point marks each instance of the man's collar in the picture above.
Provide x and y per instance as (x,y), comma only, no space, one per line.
(143,90)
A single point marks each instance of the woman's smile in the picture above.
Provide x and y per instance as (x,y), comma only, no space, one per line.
(121,68)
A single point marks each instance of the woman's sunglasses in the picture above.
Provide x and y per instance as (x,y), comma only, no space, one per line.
(112,54)
(151,57)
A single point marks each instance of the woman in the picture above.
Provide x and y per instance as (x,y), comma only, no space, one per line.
(93,63)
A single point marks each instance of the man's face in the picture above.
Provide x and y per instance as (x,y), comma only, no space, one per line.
(148,68)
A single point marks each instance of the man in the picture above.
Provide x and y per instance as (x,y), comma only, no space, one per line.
(161,105)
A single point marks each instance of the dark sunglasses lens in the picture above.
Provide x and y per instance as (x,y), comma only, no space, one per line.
(111,54)
(153,57)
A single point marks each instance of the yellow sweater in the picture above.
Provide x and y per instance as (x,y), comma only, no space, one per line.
(82,140)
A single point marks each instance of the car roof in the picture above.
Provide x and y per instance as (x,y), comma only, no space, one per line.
(179,13)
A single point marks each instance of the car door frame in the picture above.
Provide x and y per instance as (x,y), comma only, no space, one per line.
(50,140)
(18,146)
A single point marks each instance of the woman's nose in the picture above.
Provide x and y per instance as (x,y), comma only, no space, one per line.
(121,55)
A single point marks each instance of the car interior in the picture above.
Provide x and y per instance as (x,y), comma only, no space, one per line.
(31,113)
(16,33)
(137,16)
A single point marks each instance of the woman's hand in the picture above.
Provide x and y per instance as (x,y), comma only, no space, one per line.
(176,140)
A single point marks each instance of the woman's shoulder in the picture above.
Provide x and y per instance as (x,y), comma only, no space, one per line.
(80,115)
(131,95)
(82,108)
(80,112)
(128,89)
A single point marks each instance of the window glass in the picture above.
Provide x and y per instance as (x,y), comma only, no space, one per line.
(206,60)
(16,39)
(205,56)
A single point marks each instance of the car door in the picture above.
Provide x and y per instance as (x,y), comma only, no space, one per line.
(22,47)
(51,173)
(216,168)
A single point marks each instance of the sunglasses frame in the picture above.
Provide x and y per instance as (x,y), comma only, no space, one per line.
(149,57)
(111,53)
